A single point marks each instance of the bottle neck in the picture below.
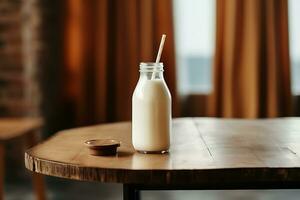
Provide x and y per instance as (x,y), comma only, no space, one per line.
(151,71)
(155,75)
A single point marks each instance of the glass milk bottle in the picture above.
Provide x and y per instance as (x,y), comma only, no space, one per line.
(151,111)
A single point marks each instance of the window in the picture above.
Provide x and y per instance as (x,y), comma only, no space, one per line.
(294,34)
(195,42)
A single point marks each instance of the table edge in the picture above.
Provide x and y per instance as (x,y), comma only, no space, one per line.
(162,176)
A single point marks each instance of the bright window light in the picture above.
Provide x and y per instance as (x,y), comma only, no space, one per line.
(195,42)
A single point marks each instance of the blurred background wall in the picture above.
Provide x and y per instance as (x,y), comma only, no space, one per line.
(31,60)
(75,62)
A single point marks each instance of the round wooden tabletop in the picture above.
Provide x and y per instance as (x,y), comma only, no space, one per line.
(202,150)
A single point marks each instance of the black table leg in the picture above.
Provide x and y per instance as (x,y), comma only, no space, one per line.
(130,192)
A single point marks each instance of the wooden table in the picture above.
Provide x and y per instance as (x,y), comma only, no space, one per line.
(206,153)
(20,128)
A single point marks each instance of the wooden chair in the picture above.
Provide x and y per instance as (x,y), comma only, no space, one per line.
(15,128)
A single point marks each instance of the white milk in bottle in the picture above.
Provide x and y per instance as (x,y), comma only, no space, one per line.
(151,111)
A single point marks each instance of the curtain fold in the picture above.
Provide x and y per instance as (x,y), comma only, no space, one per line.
(104,42)
(251,63)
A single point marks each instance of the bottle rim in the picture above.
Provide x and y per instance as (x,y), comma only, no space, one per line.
(151,66)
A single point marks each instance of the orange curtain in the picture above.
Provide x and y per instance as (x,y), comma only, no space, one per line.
(104,42)
(251,64)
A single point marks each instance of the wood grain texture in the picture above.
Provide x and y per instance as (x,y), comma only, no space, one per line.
(203,151)
(11,128)
(37,179)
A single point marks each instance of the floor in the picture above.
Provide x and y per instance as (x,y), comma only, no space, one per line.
(60,189)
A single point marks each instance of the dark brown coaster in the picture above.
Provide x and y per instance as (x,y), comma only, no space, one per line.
(103,147)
